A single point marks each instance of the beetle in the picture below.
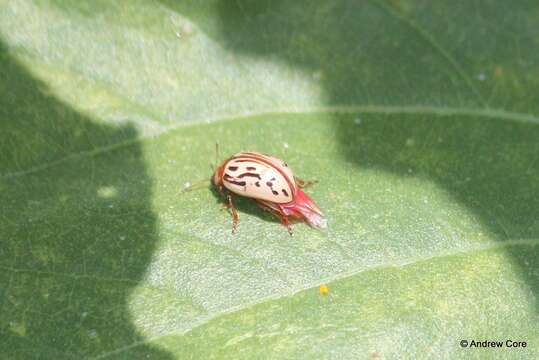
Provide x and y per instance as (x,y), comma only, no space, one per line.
(271,183)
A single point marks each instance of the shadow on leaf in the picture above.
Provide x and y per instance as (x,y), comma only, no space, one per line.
(490,166)
(76,237)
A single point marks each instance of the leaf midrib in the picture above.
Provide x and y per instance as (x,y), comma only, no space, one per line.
(440,112)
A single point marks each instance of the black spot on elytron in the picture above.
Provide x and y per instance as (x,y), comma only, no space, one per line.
(285,192)
(257,184)
(272,179)
(285,164)
(269,184)
(249,174)
(232,168)
(274,192)
(226,176)
(239,183)
(251,168)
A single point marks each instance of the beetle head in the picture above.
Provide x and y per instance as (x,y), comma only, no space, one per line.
(217,178)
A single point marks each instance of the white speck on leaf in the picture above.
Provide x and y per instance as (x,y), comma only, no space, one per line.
(18,328)
(186,28)
(107,192)
(357,121)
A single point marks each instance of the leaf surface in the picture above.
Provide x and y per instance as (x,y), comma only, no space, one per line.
(419,122)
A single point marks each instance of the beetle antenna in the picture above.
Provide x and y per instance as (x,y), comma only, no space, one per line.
(195,186)
(216,156)
(216,153)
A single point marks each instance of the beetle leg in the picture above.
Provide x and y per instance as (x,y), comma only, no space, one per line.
(222,190)
(235,217)
(225,205)
(284,220)
(224,193)
(304,183)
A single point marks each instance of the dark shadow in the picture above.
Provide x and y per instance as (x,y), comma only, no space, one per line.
(244,206)
(76,237)
(367,52)
(490,166)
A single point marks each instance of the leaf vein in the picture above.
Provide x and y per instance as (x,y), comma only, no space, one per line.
(488,113)
(411,262)
(436,45)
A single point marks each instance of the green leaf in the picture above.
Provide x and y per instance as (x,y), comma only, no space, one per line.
(418,120)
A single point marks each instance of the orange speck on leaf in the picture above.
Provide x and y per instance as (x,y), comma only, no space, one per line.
(324,290)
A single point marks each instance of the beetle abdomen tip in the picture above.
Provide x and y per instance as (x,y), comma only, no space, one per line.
(316,220)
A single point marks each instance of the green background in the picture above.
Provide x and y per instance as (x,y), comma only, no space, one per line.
(418,119)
